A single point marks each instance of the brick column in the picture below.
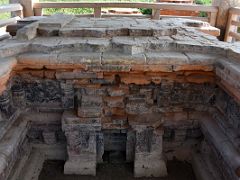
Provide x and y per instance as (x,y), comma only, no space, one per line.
(148,160)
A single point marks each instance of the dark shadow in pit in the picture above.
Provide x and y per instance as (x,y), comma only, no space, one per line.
(177,170)
(114,157)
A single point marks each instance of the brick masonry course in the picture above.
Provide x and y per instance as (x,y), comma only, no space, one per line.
(152,85)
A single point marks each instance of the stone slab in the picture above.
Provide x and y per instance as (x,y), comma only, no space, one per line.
(166,58)
(55,21)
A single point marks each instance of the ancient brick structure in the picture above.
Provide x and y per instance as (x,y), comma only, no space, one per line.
(73,88)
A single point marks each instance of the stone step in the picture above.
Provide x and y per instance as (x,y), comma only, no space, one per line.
(30,164)
(229,154)
(11,146)
(33,166)
(229,130)
(53,151)
(21,163)
(7,124)
(202,169)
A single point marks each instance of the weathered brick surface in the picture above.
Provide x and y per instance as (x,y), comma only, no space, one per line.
(152,84)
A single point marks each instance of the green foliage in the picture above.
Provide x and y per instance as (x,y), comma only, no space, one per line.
(49,11)
(4,15)
(145,11)
(3,2)
(203,2)
(203,14)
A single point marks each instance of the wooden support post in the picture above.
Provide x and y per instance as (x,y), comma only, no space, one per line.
(27,6)
(222,16)
(156,14)
(213,18)
(230,28)
(97,12)
(38,12)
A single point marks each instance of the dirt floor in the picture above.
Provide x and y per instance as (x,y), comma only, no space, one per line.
(53,170)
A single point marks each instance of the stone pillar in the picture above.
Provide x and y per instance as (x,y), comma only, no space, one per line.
(81,148)
(67,95)
(148,153)
(100,147)
(222,17)
(130,145)
(83,132)
(84,143)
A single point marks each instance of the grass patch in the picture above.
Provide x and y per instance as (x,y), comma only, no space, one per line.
(75,11)
(203,2)
(4,15)
(4,2)
(146,11)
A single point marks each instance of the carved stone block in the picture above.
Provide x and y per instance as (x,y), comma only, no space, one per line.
(67,95)
(18,96)
(49,137)
(42,91)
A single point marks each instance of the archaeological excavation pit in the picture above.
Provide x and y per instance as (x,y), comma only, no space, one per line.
(87,93)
